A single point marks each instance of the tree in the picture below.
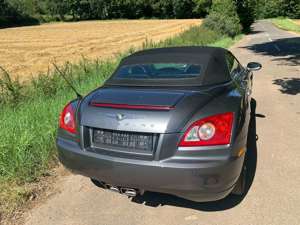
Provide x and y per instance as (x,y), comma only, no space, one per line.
(275,8)
(161,9)
(246,12)
(58,7)
(145,8)
(3,8)
(201,7)
(223,18)
(98,9)
(13,12)
(183,8)
(290,8)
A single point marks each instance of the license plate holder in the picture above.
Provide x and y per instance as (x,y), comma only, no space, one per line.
(125,140)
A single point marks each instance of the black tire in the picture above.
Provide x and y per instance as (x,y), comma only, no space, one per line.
(240,186)
(249,167)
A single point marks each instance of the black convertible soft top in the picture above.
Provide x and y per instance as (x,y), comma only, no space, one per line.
(212,60)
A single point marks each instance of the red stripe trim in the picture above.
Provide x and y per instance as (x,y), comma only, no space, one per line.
(126,106)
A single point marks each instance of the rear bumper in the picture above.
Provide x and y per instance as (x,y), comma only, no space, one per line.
(195,180)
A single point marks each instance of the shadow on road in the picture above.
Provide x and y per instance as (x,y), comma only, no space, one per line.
(286,51)
(158,199)
(252,32)
(289,86)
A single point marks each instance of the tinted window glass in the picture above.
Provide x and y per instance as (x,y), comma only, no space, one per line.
(233,65)
(158,71)
(230,61)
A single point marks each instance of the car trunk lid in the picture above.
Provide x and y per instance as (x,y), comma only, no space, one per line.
(136,99)
(140,110)
(128,122)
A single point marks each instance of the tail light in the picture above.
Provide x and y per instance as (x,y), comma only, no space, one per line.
(67,119)
(213,130)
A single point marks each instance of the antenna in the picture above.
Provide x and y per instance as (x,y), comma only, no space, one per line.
(79,96)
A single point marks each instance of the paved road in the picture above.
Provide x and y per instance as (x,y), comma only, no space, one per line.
(274,197)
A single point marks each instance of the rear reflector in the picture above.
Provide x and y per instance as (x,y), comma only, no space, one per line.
(126,106)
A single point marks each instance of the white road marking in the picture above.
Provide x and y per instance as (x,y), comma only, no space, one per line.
(268,36)
(271,40)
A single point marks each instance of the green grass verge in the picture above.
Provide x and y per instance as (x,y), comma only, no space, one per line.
(29,112)
(286,24)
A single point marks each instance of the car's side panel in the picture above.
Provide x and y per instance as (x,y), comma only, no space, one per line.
(231,100)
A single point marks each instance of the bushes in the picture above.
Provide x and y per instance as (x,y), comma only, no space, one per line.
(197,35)
(28,124)
(10,90)
(277,8)
(202,7)
(14,14)
(183,8)
(290,8)
(223,18)
(246,13)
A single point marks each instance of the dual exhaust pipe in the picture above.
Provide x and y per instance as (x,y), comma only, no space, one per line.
(130,192)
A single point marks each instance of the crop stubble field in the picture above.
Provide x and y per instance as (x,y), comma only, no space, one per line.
(27,51)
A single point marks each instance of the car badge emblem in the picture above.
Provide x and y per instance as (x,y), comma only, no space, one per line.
(120,116)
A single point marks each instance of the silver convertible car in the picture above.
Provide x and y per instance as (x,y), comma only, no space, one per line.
(169,120)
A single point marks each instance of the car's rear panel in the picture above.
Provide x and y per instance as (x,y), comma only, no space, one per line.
(140,150)
(206,177)
(140,131)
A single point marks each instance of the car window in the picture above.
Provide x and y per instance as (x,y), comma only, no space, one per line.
(230,61)
(158,71)
(233,65)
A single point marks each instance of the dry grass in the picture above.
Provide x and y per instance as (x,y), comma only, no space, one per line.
(297,22)
(16,200)
(30,50)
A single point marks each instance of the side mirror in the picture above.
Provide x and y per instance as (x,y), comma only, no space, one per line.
(254,66)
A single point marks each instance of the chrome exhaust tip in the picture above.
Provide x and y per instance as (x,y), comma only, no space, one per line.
(129,192)
(114,189)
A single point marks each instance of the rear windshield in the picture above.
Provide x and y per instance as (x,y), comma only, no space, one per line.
(158,71)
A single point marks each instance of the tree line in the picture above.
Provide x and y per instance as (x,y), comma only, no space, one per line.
(102,9)
(14,12)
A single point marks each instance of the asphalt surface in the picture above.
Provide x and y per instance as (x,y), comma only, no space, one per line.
(274,196)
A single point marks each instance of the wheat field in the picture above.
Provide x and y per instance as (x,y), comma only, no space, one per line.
(28,51)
